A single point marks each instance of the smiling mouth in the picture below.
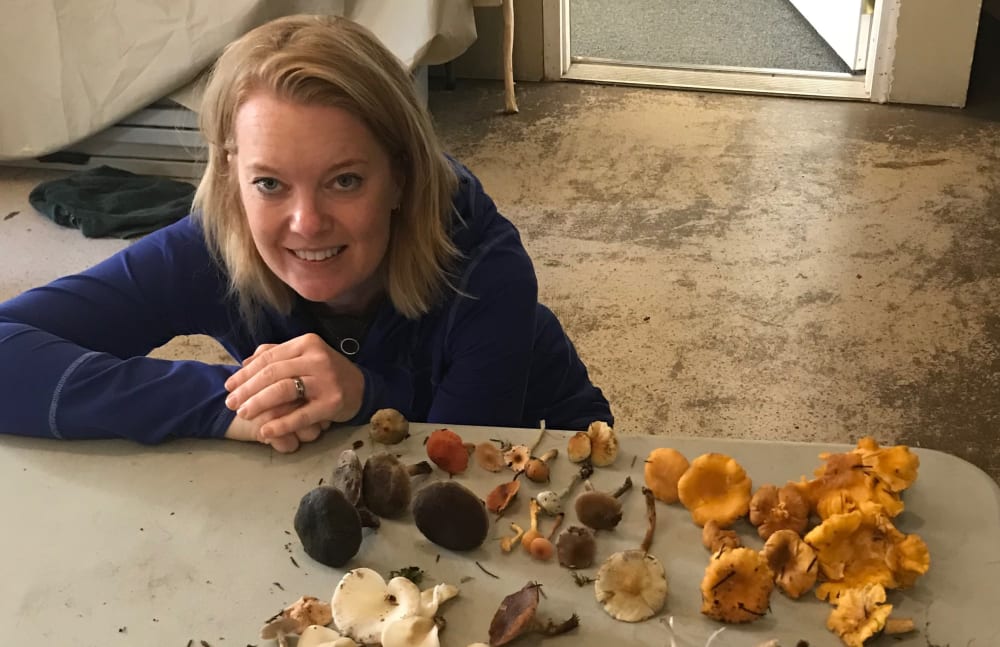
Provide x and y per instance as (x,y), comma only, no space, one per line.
(318,254)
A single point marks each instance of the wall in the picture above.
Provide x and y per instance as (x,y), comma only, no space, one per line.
(934,47)
(484,61)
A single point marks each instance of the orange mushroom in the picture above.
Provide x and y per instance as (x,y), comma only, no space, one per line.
(715,487)
(447,450)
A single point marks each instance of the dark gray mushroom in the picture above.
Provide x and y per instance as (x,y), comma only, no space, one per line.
(347,477)
(450,515)
(386,484)
(328,526)
(576,547)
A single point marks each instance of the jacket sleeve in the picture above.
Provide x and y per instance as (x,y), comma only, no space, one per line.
(72,353)
(489,338)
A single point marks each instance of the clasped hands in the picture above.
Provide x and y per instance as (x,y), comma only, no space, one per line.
(289,393)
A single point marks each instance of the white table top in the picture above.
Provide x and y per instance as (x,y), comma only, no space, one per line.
(112,543)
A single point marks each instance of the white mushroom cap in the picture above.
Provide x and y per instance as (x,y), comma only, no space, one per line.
(416,631)
(363,604)
(551,502)
(631,586)
(319,636)
(433,598)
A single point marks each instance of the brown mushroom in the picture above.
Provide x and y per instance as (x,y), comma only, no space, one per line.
(737,586)
(716,538)
(279,628)
(603,444)
(773,509)
(386,484)
(792,561)
(388,426)
(599,510)
(517,616)
(348,478)
(500,497)
(537,469)
(578,447)
(532,533)
(308,610)
(576,547)
(489,457)
(450,515)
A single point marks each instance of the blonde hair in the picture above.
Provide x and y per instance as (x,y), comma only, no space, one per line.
(324,60)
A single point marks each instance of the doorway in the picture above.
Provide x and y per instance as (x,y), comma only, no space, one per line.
(813,48)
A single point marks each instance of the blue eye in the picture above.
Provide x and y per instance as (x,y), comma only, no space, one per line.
(347,181)
(267,185)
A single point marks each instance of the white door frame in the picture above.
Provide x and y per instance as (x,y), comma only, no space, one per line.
(874,86)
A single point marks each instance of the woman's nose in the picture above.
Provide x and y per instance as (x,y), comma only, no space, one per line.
(308,215)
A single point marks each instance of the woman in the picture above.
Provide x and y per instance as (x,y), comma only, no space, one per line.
(334,251)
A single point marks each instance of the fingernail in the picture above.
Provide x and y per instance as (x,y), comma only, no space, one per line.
(231,401)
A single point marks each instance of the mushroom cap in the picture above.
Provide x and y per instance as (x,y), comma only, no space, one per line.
(631,586)
(715,487)
(386,485)
(843,482)
(328,526)
(737,586)
(603,444)
(347,475)
(388,426)
(715,538)
(500,497)
(363,603)
(896,466)
(278,627)
(792,561)
(578,447)
(864,547)
(663,469)
(598,510)
(551,502)
(859,614)
(773,509)
(307,611)
(319,636)
(537,470)
(515,615)
(450,515)
(416,631)
(517,457)
(447,450)
(576,547)
(489,457)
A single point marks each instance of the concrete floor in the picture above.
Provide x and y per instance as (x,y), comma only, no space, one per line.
(727,265)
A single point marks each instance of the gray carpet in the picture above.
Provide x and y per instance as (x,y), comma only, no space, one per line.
(740,33)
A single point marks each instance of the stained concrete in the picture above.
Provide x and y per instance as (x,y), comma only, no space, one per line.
(727,265)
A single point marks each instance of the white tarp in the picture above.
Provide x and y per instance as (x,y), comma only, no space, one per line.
(70,68)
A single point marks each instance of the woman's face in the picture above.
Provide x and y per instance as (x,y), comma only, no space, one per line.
(318,191)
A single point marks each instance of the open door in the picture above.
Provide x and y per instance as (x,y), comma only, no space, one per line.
(844,24)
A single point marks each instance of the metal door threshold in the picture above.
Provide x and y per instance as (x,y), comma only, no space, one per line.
(826,85)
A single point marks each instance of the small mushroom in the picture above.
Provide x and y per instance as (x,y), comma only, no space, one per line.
(663,469)
(773,509)
(320,636)
(576,547)
(347,477)
(450,515)
(517,457)
(578,447)
(537,469)
(415,631)
(389,427)
(386,484)
(279,629)
(507,543)
(308,610)
(716,538)
(737,586)
(448,451)
(599,510)
(542,548)
(517,616)
(861,613)
(532,533)
(552,502)
(500,497)
(489,457)
(603,444)
(328,526)
(632,585)
(792,561)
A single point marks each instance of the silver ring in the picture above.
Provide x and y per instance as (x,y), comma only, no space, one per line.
(300,388)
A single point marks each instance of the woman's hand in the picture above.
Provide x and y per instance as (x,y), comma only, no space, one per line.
(267,389)
(249,431)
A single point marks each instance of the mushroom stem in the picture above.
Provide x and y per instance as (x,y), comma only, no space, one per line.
(549,455)
(647,541)
(541,434)
(550,628)
(504,445)
(625,487)
(507,543)
(898,626)
(559,520)
(418,469)
(532,532)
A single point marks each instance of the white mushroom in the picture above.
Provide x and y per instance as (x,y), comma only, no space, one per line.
(417,631)
(431,599)
(363,604)
(319,636)
(279,628)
